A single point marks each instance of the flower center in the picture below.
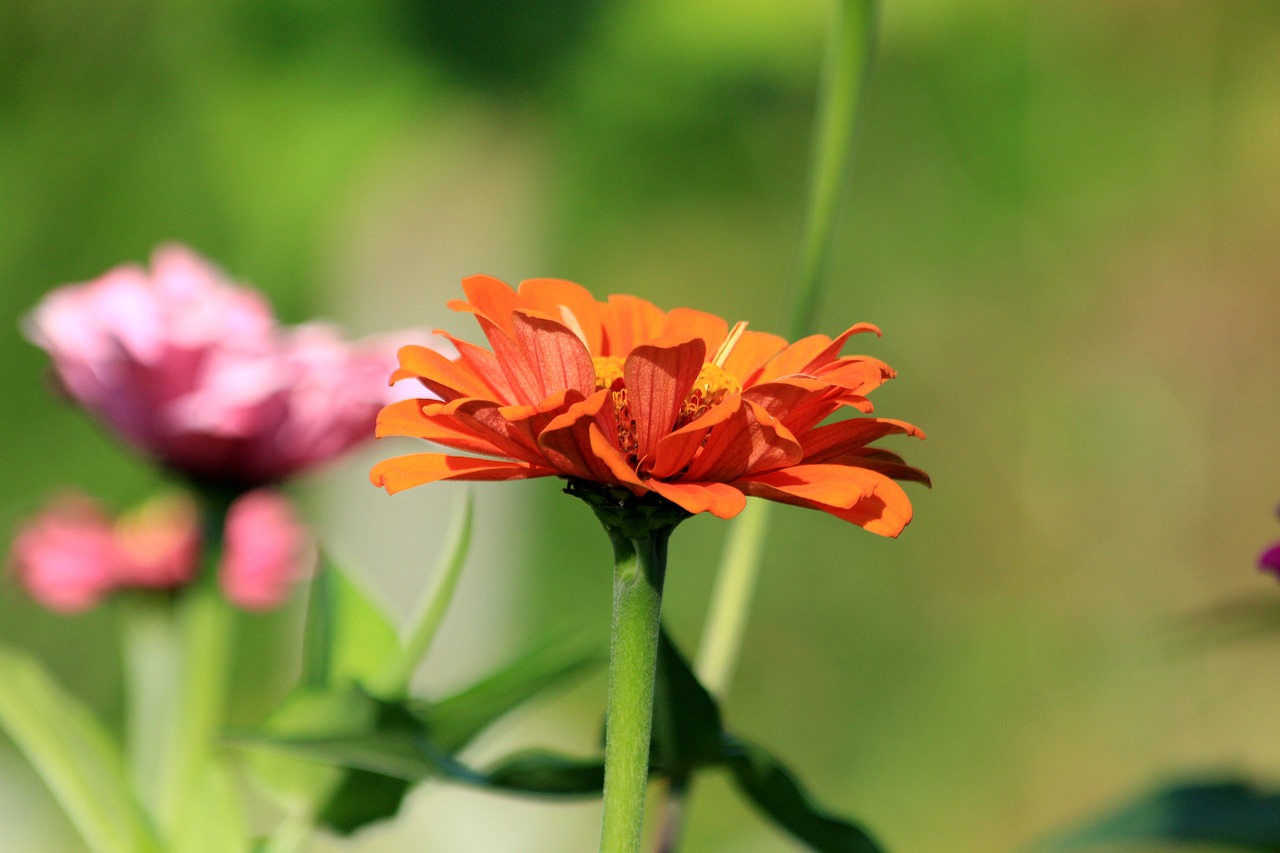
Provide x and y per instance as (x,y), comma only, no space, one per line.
(713,384)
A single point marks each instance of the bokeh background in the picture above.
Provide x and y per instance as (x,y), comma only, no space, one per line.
(1065,217)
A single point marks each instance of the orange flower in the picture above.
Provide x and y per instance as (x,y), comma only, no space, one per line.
(624,395)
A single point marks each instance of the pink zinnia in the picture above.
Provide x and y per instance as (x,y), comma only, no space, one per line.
(194,370)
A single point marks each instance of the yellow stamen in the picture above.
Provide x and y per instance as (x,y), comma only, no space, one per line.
(730,341)
(573,325)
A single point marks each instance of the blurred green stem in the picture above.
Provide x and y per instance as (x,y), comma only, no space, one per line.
(394,682)
(640,567)
(204,623)
(151,667)
(851,47)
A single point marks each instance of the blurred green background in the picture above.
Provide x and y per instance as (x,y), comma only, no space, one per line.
(1064,217)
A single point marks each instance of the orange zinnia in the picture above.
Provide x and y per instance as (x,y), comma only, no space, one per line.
(624,395)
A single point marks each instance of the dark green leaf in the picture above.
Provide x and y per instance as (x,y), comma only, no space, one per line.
(777,793)
(455,721)
(362,798)
(1227,812)
(687,729)
(547,773)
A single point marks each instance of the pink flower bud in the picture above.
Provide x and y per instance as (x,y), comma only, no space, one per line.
(159,544)
(66,557)
(265,549)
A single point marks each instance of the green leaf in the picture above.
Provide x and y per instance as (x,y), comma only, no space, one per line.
(218,825)
(777,793)
(74,755)
(348,638)
(302,785)
(688,731)
(455,721)
(1226,812)
(689,734)
(547,773)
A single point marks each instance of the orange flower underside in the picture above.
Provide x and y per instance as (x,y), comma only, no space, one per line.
(677,403)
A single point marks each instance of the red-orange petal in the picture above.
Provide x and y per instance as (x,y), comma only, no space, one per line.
(446,378)
(658,376)
(857,495)
(552,296)
(558,357)
(484,365)
(720,499)
(676,450)
(752,352)
(488,297)
(404,472)
(407,418)
(629,321)
(831,440)
(688,323)
(575,444)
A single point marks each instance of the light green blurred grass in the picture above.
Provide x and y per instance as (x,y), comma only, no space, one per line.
(1063,218)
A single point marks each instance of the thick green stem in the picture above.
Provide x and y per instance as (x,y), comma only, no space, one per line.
(204,624)
(151,671)
(641,562)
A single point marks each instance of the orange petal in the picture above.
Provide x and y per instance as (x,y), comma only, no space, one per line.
(488,297)
(575,443)
(799,403)
(629,321)
(676,450)
(688,323)
(808,354)
(658,376)
(483,364)
(558,357)
(860,373)
(407,418)
(831,440)
(551,295)
(514,429)
(521,376)
(751,353)
(404,472)
(720,499)
(857,495)
(447,378)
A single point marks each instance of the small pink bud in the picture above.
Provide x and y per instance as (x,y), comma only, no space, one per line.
(66,556)
(265,549)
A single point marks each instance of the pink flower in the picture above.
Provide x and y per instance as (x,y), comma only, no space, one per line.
(194,370)
(1269,560)
(265,549)
(66,557)
(158,544)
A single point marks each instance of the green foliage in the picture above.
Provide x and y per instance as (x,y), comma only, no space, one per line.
(74,754)
(1227,812)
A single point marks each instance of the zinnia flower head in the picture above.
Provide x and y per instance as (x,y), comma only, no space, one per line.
(194,371)
(625,397)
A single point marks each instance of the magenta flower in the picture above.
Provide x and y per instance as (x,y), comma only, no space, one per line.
(1269,560)
(265,549)
(194,371)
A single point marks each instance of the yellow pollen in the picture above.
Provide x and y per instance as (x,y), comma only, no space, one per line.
(608,370)
(713,384)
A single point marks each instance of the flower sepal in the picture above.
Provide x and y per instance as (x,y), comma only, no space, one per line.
(622,512)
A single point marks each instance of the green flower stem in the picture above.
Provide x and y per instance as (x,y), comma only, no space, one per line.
(849,54)
(204,626)
(151,668)
(394,682)
(640,566)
